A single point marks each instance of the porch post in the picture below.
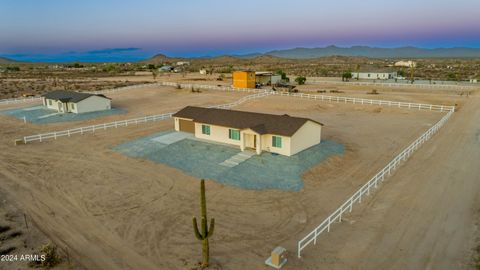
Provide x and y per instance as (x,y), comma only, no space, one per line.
(259,144)
(242,141)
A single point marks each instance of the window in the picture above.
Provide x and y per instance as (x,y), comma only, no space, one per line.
(234,134)
(206,129)
(50,102)
(277,141)
(73,106)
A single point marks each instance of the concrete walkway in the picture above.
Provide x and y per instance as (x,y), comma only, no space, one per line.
(237,159)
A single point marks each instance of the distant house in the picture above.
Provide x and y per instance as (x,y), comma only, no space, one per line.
(75,102)
(243,79)
(374,75)
(281,134)
(183,63)
(166,68)
(203,71)
(267,78)
(405,64)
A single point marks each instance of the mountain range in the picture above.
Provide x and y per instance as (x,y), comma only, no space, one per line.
(374,52)
(137,54)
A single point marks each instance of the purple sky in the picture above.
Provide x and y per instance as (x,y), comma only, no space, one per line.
(211,27)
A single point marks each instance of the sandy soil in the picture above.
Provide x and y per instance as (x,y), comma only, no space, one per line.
(425,217)
(138,103)
(21,235)
(115,212)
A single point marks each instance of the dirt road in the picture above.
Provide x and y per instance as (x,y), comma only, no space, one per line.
(424,217)
(114,212)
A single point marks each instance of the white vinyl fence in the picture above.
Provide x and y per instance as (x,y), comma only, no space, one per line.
(363,101)
(32,99)
(124,123)
(212,87)
(400,85)
(336,216)
(19,100)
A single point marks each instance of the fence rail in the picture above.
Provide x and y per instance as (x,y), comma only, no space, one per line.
(123,123)
(404,85)
(213,87)
(19,100)
(105,91)
(363,101)
(372,183)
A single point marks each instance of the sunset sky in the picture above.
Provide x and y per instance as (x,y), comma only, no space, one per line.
(31,29)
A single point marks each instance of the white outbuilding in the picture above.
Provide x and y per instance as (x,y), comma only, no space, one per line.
(75,102)
(374,75)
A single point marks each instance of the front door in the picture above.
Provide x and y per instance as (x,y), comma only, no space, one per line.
(250,141)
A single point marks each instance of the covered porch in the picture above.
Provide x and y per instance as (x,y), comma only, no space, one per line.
(250,139)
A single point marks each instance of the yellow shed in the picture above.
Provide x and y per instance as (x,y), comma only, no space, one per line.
(244,79)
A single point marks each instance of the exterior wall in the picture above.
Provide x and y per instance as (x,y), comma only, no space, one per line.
(217,133)
(51,104)
(374,75)
(276,79)
(308,135)
(244,79)
(267,145)
(92,104)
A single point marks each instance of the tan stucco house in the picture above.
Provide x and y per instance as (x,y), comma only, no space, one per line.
(281,134)
(75,102)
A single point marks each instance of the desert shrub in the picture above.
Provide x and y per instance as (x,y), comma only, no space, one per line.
(300,80)
(51,256)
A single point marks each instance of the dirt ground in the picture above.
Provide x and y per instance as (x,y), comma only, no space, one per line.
(426,216)
(19,235)
(115,212)
(138,103)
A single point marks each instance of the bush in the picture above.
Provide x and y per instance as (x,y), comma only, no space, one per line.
(300,80)
(51,256)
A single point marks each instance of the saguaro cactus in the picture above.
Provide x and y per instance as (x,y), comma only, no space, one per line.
(205,231)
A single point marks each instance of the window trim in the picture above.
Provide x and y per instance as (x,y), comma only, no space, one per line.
(231,132)
(277,141)
(206,130)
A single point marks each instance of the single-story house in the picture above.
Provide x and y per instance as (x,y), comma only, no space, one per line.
(281,134)
(75,102)
(374,75)
(407,64)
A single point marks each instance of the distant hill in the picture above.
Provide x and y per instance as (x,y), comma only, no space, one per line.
(402,52)
(4,60)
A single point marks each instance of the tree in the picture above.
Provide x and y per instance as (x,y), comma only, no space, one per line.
(283,74)
(346,76)
(300,80)
(205,231)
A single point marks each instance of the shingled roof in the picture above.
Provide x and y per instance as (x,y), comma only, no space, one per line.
(261,123)
(69,96)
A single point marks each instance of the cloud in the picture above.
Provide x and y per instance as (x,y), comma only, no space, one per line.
(113,50)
